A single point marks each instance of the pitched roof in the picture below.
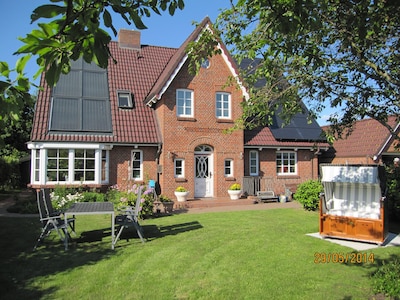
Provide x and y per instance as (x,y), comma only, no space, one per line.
(135,71)
(368,138)
(179,59)
(263,137)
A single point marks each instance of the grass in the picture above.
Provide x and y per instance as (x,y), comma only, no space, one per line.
(230,255)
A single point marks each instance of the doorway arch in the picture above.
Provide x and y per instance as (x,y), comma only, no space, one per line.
(203,171)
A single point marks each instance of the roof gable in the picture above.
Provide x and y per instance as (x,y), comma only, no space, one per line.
(179,59)
(368,138)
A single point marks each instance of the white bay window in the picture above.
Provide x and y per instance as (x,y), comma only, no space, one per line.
(52,164)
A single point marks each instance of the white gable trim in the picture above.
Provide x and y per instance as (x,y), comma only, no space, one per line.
(387,141)
(182,62)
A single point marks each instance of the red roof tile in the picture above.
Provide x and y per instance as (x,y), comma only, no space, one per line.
(367,139)
(135,71)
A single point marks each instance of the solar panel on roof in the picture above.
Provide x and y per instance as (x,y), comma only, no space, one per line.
(80,101)
(298,129)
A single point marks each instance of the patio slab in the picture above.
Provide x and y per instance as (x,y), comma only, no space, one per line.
(392,240)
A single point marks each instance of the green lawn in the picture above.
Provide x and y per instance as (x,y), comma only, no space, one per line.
(231,255)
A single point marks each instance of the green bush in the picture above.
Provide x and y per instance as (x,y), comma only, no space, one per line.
(123,197)
(307,194)
(93,197)
(393,195)
(386,279)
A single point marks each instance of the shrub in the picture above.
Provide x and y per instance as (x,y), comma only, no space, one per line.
(93,197)
(164,198)
(307,194)
(128,197)
(386,279)
(393,195)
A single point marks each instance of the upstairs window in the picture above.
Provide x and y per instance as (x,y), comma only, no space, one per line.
(125,99)
(184,103)
(223,105)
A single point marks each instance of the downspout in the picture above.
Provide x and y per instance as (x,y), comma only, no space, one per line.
(158,154)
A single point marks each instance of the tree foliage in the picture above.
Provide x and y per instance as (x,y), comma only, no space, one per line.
(342,54)
(72,29)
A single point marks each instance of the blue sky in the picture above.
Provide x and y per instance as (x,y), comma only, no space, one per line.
(163,30)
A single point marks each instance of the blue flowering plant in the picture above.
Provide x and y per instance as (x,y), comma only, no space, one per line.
(123,197)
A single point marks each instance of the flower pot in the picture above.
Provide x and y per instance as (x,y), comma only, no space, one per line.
(234,194)
(168,207)
(181,196)
(282,198)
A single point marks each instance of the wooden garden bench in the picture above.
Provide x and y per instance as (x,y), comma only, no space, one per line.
(266,196)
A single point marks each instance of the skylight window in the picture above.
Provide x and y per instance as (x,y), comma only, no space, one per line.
(125,99)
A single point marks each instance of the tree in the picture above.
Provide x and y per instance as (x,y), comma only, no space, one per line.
(344,54)
(73,29)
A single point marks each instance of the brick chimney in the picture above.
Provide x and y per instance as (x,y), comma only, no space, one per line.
(129,39)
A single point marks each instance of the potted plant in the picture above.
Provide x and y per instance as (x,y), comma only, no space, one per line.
(234,191)
(167,203)
(181,194)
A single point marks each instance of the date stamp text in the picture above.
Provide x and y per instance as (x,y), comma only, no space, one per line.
(343,258)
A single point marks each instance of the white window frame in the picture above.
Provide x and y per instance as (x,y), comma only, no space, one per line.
(223,105)
(286,165)
(228,169)
(104,166)
(85,169)
(181,168)
(59,171)
(36,159)
(39,153)
(253,163)
(181,95)
(125,95)
(140,168)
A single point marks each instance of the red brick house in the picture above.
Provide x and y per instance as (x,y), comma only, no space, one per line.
(147,117)
(368,143)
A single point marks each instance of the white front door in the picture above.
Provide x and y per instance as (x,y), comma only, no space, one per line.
(203,174)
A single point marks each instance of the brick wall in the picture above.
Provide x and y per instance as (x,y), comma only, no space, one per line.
(307,168)
(120,158)
(182,136)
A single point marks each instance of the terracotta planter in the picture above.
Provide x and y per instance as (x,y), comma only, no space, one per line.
(181,196)
(234,194)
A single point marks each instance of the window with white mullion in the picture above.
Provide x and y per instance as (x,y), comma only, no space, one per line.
(184,103)
(179,168)
(228,168)
(84,165)
(57,165)
(223,105)
(286,162)
(136,165)
(253,163)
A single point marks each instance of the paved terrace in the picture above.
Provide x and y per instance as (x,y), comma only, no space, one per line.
(190,206)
